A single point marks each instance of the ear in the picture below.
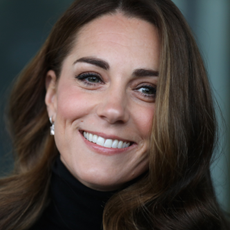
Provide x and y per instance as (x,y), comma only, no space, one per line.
(51,91)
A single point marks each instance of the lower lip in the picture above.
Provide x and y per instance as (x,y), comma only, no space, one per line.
(104,150)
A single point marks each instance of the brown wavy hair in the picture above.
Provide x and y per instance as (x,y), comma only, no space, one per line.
(176,193)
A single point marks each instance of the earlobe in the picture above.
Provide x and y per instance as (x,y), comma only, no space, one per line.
(50,98)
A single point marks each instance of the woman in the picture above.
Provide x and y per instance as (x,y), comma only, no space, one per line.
(132,125)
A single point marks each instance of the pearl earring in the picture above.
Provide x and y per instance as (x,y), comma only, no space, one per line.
(52,126)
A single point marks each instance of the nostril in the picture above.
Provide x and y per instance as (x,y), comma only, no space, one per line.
(113,114)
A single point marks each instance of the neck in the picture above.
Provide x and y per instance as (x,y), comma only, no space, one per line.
(73,205)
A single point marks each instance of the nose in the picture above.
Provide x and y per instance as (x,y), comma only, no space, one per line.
(113,107)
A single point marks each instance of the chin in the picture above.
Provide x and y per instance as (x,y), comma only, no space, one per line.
(101,184)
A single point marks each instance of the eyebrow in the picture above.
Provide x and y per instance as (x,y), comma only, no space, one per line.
(94,61)
(105,65)
(145,73)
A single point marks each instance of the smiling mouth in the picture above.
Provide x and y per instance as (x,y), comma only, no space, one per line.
(108,143)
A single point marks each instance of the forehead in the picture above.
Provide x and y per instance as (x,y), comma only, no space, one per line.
(118,36)
(121,26)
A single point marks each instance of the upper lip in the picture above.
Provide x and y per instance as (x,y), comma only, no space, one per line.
(106,136)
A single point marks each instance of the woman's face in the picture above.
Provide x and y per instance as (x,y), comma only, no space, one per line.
(106,94)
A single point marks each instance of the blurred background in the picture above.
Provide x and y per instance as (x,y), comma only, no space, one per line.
(24,26)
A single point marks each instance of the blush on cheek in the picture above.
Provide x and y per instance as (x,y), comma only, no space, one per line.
(73,104)
(144,121)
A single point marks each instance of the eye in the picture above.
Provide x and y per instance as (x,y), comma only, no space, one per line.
(148,91)
(90,78)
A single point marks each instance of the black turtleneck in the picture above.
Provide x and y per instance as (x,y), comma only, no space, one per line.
(72,206)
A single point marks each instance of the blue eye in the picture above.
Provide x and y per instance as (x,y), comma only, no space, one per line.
(147,91)
(89,78)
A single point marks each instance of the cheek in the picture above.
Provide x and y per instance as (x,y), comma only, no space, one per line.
(144,120)
(73,103)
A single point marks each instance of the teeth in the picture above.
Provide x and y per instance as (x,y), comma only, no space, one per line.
(124,144)
(115,144)
(94,138)
(90,137)
(100,141)
(120,143)
(109,143)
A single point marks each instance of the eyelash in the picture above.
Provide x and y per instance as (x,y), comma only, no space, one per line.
(84,77)
(149,87)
